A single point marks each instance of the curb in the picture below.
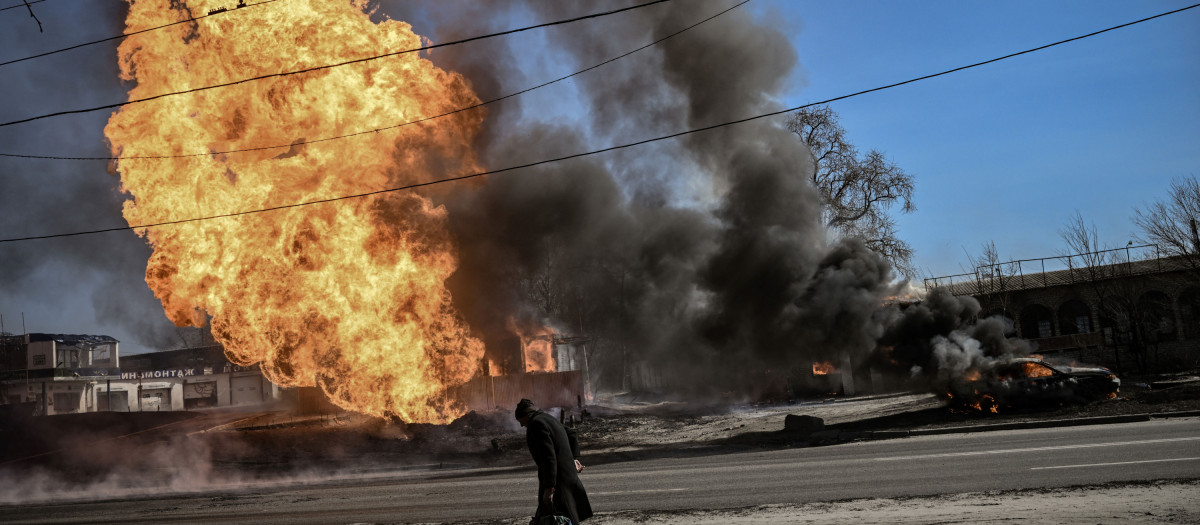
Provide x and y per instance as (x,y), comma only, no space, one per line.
(1102,420)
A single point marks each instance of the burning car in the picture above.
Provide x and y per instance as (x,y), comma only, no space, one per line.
(1029,382)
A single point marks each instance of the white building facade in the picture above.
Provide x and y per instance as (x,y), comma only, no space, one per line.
(50,374)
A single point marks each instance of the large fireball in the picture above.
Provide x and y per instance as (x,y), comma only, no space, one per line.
(347,295)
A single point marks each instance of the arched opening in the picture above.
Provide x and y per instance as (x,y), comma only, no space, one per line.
(1155,318)
(1189,313)
(1037,322)
(1074,317)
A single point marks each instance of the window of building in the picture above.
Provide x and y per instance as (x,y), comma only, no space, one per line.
(1074,317)
(69,358)
(102,355)
(1084,323)
(1045,329)
(39,360)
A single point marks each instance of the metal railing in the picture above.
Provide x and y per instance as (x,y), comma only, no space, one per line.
(1062,270)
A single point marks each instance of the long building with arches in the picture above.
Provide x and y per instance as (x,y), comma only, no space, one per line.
(1101,308)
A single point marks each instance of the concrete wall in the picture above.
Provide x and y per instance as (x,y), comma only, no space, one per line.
(546,389)
(42,349)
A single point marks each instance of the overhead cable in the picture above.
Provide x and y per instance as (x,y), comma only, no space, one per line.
(126,35)
(16,6)
(330,66)
(587,153)
(376,130)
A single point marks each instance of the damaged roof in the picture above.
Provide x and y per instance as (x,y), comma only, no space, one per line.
(72,339)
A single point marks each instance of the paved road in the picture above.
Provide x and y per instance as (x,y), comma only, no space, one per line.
(929,465)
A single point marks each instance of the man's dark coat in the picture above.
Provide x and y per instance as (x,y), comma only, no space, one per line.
(551,450)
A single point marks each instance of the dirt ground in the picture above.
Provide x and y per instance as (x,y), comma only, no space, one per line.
(1158,502)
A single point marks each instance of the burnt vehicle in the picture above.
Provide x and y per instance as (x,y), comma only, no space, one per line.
(1030,383)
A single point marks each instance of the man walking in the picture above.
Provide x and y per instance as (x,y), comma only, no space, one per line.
(559,489)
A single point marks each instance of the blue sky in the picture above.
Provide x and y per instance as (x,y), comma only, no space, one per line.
(1006,152)
(1009,151)
(1003,153)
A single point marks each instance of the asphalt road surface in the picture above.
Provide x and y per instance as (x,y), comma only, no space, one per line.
(918,466)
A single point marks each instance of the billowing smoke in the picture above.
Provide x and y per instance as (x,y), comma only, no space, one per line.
(705,256)
(938,341)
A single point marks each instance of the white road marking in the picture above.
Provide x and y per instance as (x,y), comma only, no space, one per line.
(1118,463)
(646,491)
(1038,449)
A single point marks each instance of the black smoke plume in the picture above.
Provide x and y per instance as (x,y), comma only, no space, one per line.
(704,257)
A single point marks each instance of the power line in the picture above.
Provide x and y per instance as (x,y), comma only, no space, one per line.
(330,66)
(16,6)
(376,130)
(126,35)
(592,152)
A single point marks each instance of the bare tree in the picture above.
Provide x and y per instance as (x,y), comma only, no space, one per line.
(859,190)
(1083,251)
(1171,223)
(994,278)
(1103,273)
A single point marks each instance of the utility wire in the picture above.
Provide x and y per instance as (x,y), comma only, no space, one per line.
(330,66)
(376,130)
(589,153)
(126,35)
(18,6)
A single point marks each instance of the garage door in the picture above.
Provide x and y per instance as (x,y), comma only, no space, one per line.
(119,403)
(247,390)
(199,395)
(156,399)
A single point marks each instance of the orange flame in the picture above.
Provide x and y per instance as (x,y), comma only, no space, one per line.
(539,356)
(537,346)
(991,404)
(349,295)
(1035,370)
(820,369)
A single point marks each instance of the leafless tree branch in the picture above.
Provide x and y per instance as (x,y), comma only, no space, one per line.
(859,191)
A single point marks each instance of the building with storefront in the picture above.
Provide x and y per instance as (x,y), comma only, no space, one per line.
(64,374)
(187,379)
